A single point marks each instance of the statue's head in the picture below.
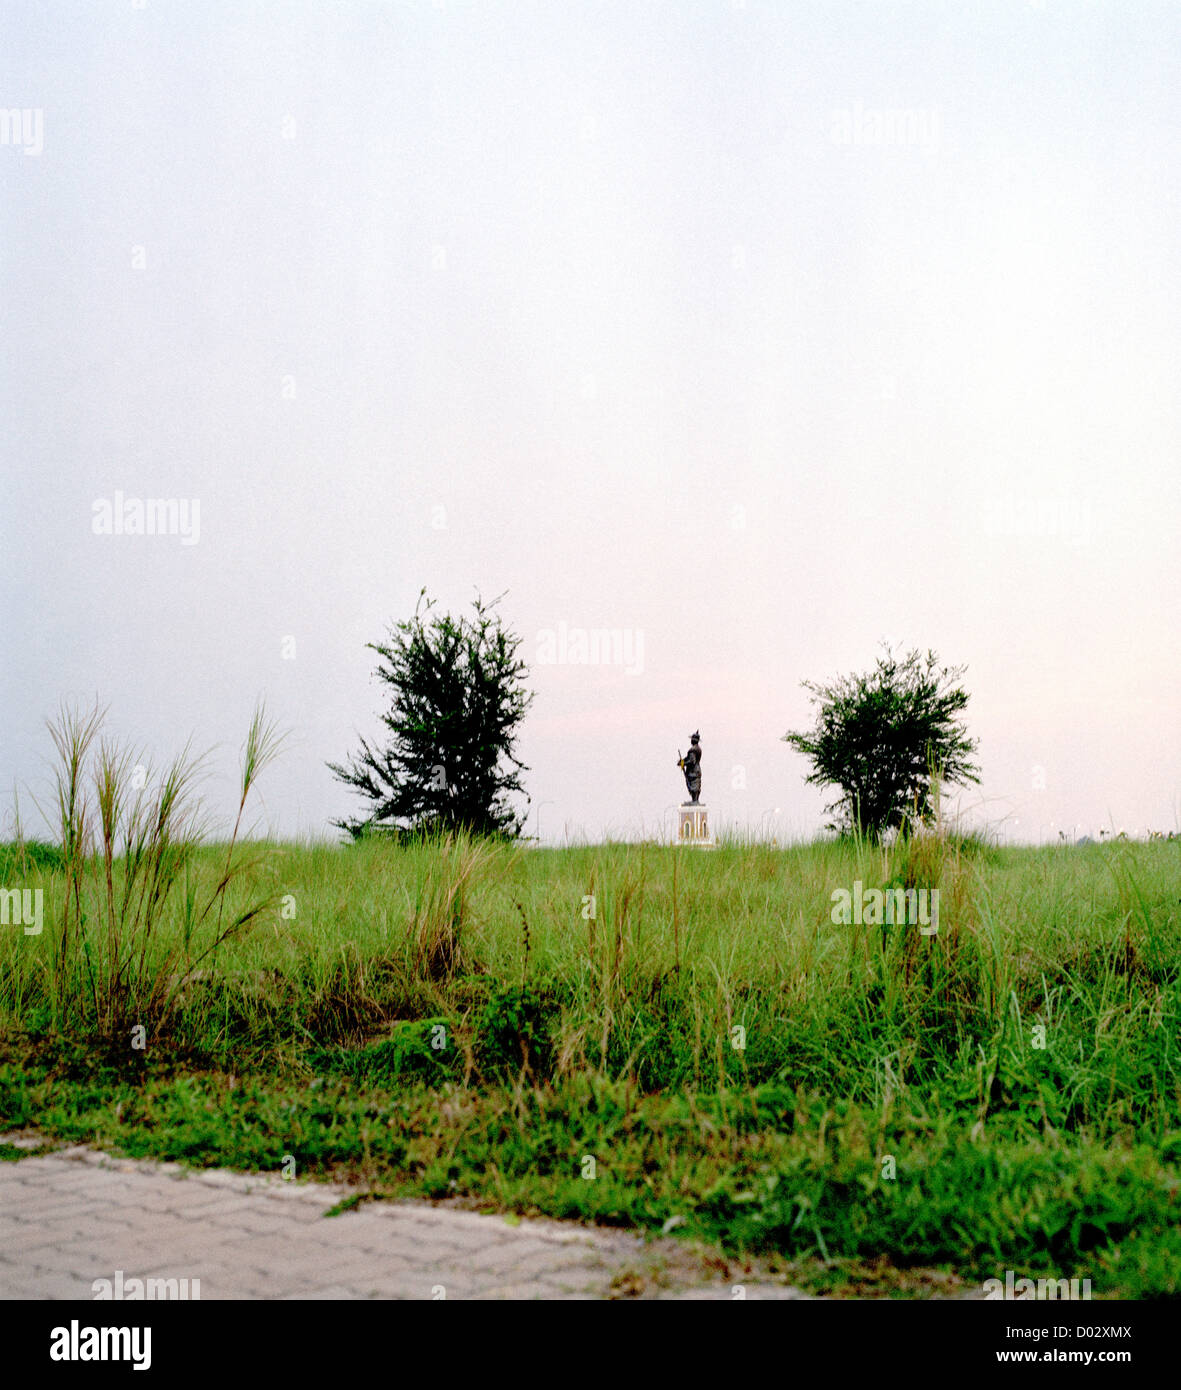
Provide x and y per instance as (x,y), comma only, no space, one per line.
(694,738)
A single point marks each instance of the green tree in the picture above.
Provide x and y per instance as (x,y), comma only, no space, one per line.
(884,737)
(457,699)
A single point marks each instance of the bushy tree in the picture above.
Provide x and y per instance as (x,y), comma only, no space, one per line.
(884,736)
(457,698)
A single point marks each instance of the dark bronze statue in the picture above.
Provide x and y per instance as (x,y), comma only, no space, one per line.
(690,764)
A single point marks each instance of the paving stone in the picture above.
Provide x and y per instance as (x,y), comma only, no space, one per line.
(532,1291)
(75,1216)
(46,1284)
(254,1219)
(334,1291)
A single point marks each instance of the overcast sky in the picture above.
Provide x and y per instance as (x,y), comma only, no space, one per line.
(752,332)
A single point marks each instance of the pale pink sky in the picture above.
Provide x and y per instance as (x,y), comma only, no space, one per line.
(763,331)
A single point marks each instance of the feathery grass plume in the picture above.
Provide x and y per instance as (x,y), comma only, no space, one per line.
(72,734)
(128,841)
(110,778)
(262,746)
(441,910)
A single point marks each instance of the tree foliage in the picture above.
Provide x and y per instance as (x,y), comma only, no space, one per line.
(884,737)
(457,699)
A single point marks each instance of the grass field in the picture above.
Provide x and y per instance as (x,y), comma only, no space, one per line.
(645,1035)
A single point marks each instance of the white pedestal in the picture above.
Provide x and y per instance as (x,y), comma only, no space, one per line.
(693,826)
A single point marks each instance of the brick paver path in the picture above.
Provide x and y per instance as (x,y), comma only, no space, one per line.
(73,1216)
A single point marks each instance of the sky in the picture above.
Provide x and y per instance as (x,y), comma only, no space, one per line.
(753,333)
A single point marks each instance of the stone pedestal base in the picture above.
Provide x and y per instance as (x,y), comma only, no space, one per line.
(693,826)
